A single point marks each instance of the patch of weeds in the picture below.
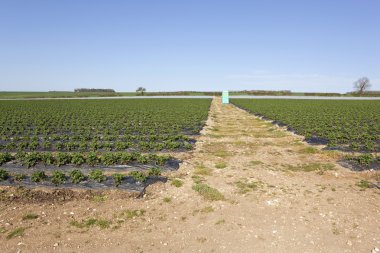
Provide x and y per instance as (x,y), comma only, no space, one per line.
(220,222)
(208,192)
(58,177)
(118,179)
(139,176)
(91,222)
(2,230)
(309,150)
(38,176)
(197,179)
(221,154)
(16,233)
(167,200)
(130,214)
(364,184)
(202,170)
(220,165)
(99,198)
(19,177)
(30,216)
(97,175)
(245,187)
(176,182)
(311,167)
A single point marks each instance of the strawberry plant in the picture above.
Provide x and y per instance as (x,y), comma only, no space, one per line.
(97,175)
(77,176)
(58,177)
(38,176)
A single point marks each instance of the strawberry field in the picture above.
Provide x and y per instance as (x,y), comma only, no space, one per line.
(57,136)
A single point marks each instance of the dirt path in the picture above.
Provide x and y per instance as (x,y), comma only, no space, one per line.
(248,187)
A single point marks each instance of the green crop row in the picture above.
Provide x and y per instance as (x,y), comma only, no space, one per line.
(101,125)
(347,125)
(61,158)
(76,176)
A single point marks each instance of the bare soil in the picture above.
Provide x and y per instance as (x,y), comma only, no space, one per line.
(276,194)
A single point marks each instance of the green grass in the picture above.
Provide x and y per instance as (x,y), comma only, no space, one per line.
(220,165)
(245,187)
(30,216)
(310,167)
(364,184)
(202,170)
(177,182)
(309,150)
(167,199)
(255,162)
(16,233)
(208,192)
(91,222)
(130,214)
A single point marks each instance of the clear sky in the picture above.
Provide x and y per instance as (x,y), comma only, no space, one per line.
(303,45)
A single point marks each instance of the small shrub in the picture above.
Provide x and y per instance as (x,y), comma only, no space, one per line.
(97,175)
(5,157)
(77,159)
(139,176)
(47,158)
(58,177)
(154,172)
(92,159)
(4,175)
(77,176)
(62,159)
(19,177)
(118,179)
(38,176)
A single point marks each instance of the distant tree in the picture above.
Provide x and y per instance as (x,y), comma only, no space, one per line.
(141,90)
(362,85)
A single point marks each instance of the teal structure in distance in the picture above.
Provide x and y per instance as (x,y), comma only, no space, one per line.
(225,97)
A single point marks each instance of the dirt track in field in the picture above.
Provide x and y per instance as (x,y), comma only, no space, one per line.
(279,195)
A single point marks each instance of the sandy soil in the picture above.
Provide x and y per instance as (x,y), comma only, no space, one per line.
(277,194)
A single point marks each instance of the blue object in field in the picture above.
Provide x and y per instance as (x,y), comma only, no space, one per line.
(225,97)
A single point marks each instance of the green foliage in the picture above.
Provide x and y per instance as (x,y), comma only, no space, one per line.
(16,233)
(30,216)
(92,159)
(4,175)
(176,182)
(118,179)
(77,159)
(154,172)
(139,176)
(58,177)
(208,192)
(346,124)
(97,175)
(5,157)
(38,176)
(19,177)
(77,176)
(62,158)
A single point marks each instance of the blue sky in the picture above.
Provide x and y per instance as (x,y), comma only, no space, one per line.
(303,45)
